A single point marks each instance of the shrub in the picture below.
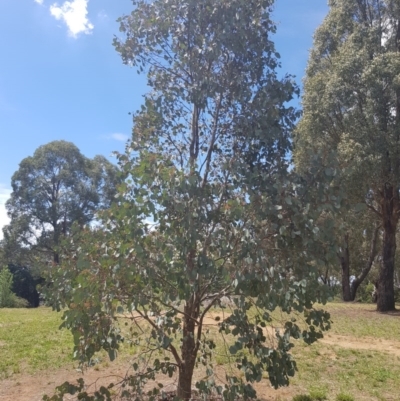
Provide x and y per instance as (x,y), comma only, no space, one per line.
(18,302)
(6,294)
(7,298)
(364,293)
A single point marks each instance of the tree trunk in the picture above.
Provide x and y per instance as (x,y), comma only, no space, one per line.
(372,253)
(345,264)
(186,369)
(56,241)
(385,283)
(185,381)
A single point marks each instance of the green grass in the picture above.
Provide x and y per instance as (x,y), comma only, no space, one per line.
(319,393)
(346,373)
(370,375)
(344,397)
(361,320)
(30,341)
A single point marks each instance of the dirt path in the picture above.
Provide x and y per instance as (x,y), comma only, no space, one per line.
(363,343)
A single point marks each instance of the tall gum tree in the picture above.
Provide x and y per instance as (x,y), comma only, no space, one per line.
(352,105)
(52,189)
(208,210)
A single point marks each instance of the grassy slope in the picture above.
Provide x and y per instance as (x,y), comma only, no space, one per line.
(30,341)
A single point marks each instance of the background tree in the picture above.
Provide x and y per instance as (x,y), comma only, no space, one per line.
(208,209)
(52,189)
(360,241)
(352,104)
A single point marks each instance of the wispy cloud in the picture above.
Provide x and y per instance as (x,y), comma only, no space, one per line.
(117,137)
(74,14)
(4,220)
(102,16)
(38,1)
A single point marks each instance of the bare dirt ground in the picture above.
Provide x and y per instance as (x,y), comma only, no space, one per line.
(33,387)
(25,387)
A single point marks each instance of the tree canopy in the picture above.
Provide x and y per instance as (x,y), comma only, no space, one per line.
(51,190)
(208,209)
(352,105)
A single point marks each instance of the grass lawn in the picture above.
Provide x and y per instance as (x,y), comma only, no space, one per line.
(359,358)
(31,341)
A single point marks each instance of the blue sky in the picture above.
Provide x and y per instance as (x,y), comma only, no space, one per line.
(60,77)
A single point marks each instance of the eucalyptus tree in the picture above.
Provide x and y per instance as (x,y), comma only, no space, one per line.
(352,105)
(52,189)
(359,237)
(209,209)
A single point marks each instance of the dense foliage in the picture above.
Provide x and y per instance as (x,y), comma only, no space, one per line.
(352,105)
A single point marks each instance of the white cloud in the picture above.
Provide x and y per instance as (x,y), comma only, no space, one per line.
(38,1)
(74,14)
(118,137)
(4,220)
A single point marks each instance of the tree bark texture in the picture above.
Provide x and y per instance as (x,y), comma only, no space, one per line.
(385,282)
(186,369)
(345,265)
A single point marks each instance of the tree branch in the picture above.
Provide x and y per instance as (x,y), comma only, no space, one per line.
(212,142)
(373,209)
(170,346)
(206,309)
